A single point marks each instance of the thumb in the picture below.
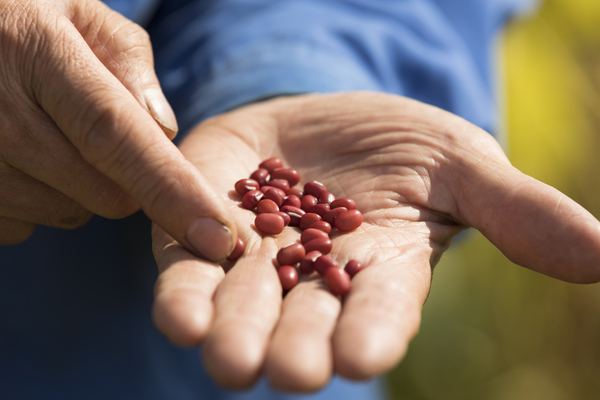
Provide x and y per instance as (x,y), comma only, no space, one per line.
(115,135)
(533,224)
(124,48)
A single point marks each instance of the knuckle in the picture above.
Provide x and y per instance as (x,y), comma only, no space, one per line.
(117,38)
(155,196)
(114,203)
(133,53)
(97,139)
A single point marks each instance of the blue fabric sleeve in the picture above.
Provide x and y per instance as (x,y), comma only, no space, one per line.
(212,56)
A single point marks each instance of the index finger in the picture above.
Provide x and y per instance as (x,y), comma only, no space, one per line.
(120,139)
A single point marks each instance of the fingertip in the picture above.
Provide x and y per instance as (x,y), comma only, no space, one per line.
(183,316)
(302,369)
(367,353)
(234,357)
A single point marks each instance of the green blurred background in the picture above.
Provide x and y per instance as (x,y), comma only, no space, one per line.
(492,330)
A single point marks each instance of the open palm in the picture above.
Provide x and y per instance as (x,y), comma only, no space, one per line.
(418,174)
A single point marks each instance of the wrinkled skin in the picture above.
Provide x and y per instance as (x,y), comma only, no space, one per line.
(85,128)
(418,174)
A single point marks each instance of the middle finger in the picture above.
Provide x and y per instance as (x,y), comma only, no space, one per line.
(300,355)
(247,305)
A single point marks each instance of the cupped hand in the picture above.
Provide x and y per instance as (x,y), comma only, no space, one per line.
(85,129)
(418,174)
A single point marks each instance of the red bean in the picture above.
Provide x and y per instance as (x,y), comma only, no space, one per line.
(353,267)
(294,213)
(260,175)
(323,263)
(271,163)
(275,195)
(280,183)
(289,174)
(251,199)
(308,201)
(296,192)
(322,226)
(331,215)
(286,217)
(344,202)
(338,281)
(271,224)
(267,206)
(308,219)
(311,234)
(326,198)
(320,209)
(290,254)
(307,262)
(244,186)
(323,245)
(292,200)
(288,276)
(266,188)
(348,220)
(238,250)
(315,188)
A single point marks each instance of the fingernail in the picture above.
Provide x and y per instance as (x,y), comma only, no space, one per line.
(160,109)
(210,238)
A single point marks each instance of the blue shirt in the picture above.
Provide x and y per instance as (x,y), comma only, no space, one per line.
(75,305)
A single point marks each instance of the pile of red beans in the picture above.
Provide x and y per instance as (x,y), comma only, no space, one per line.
(270,192)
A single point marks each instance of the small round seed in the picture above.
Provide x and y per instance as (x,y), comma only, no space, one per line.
(311,234)
(344,202)
(275,195)
(338,281)
(323,245)
(348,220)
(323,263)
(307,262)
(296,192)
(315,188)
(271,224)
(322,226)
(290,254)
(353,267)
(260,175)
(238,250)
(331,215)
(320,209)
(280,183)
(308,219)
(244,186)
(271,163)
(292,200)
(289,174)
(308,201)
(267,206)
(251,199)
(288,276)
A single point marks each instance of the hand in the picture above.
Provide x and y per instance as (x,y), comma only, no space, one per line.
(419,175)
(78,95)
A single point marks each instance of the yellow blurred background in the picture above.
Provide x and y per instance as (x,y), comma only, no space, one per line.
(492,330)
